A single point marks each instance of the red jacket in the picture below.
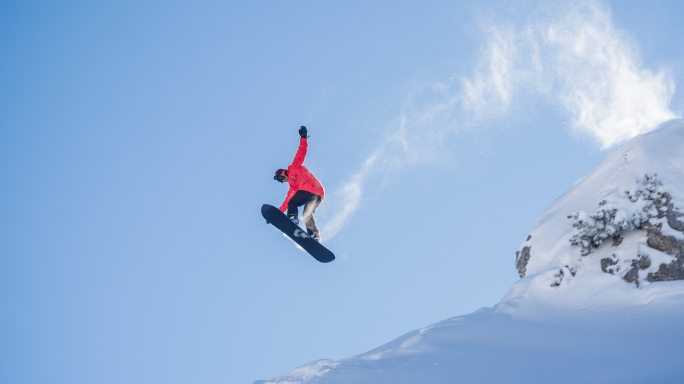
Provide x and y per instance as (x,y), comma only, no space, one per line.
(299,177)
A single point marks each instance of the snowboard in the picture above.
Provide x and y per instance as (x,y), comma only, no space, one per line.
(278,219)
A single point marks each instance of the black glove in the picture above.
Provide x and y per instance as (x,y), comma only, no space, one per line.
(302,132)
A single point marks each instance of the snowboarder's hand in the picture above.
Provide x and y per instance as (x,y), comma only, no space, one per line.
(302,132)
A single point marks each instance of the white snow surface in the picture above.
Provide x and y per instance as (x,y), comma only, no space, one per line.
(659,152)
(592,328)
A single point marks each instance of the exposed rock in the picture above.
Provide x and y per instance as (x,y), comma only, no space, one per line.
(617,240)
(607,263)
(640,263)
(673,219)
(562,273)
(673,247)
(522,257)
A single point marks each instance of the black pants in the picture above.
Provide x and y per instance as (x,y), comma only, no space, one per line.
(310,203)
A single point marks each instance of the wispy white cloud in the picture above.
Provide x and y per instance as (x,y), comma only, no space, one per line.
(579,60)
(416,137)
(491,87)
(602,82)
(346,199)
(573,57)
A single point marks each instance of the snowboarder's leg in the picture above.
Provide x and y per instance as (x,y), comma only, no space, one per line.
(300,198)
(307,216)
(293,212)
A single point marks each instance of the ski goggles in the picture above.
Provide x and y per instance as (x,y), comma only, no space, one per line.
(280,175)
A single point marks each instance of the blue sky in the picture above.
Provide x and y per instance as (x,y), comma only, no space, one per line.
(138,142)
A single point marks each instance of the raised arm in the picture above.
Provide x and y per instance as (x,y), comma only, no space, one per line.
(303,147)
(301,152)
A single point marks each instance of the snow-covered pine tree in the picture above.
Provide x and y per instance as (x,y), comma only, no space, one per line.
(613,219)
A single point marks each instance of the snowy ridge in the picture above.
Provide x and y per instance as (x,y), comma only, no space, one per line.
(305,373)
(608,340)
(660,153)
(572,317)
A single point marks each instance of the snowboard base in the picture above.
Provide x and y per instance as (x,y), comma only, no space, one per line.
(278,219)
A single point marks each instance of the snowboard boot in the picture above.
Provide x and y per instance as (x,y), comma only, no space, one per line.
(294,219)
(314,235)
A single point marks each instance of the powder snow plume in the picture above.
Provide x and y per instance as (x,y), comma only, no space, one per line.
(578,59)
(571,56)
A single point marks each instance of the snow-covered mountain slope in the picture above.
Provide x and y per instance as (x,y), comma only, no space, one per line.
(592,305)
(627,216)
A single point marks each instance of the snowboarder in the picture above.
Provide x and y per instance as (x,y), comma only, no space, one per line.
(305,189)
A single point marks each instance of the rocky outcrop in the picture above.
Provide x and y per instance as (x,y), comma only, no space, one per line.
(654,215)
(656,240)
(671,246)
(675,219)
(522,257)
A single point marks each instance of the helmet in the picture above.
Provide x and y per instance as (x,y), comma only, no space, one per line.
(280,175)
